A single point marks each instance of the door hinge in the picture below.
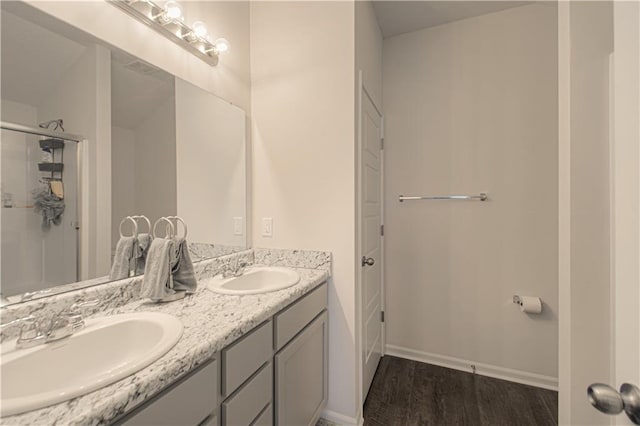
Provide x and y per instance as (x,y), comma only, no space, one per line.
(382,230)
(381,316)
(381,143)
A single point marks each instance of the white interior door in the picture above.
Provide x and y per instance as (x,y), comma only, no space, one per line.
(599,211)
(626,204)
(371,239)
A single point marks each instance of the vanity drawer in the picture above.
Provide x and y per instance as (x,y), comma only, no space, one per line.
(293,319)
(187,403)
(244,357)
(247,403)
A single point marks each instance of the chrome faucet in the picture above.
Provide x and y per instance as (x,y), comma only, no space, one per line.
(237,270)
(68,322)
(62,325)
(30,332)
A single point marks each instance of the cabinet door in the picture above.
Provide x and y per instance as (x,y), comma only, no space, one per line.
(301,376)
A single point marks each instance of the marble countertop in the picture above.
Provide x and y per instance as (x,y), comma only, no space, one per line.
(211,322)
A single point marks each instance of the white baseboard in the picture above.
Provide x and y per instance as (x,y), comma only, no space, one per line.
(532,379)
(341,419)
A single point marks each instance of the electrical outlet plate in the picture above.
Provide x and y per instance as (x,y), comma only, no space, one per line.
(237,226)
(267,227)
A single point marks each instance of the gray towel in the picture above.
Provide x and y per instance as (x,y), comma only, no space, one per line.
(122,259)
(141,251)
(157,281)
(49,206)
(184,277)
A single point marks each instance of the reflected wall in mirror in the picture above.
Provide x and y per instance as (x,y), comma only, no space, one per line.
(151,145)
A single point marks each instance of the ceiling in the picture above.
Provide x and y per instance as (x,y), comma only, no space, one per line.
(398,17)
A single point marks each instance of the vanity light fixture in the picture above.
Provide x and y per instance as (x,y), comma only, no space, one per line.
(167,19)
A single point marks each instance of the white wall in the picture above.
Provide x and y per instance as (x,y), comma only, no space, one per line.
(210,157)
(471,106)
(368,51)
(302,57)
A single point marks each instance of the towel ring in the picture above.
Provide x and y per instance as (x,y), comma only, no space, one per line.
(135,226)
(170,231)
(178,219)
(146,219)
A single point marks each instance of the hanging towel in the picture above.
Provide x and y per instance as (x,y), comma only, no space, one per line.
(157,272)
(49,206)
(141,252)
(184,277)
(122,259)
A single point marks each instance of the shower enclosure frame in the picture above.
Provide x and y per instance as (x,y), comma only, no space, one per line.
(71,137)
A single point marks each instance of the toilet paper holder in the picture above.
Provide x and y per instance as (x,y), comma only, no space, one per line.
(528,304)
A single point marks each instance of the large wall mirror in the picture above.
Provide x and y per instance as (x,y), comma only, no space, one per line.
(137,141)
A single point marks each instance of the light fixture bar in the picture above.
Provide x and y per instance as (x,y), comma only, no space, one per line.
(146,11)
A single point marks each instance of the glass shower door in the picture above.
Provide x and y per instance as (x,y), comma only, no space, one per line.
(39,212)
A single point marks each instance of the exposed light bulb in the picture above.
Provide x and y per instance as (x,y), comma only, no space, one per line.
(221,45)
(172,9)
(199,29)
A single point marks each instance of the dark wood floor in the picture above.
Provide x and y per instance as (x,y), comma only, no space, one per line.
(407,392)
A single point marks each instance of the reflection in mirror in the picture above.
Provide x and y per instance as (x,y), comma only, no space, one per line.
(167,148)
(39,207)
(143,163)
(211,167)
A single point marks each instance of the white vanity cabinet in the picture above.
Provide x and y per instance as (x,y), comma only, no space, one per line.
(276,374)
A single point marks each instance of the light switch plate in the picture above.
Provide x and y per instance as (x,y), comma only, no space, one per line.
(267,227)
(237,226)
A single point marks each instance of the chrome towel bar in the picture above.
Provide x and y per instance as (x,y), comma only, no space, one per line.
(481,197)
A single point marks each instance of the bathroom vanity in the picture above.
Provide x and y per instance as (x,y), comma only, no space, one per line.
(274,374)
(255,359)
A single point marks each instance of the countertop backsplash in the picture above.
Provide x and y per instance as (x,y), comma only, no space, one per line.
(111,295)
(293,258)
(118,293)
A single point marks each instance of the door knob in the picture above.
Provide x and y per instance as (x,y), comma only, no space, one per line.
(606,399)
(368,261)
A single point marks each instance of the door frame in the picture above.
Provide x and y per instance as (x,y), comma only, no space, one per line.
(624,204)
(362,91)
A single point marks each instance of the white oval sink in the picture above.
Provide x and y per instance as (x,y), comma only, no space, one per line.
(255,280)
(105,351)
